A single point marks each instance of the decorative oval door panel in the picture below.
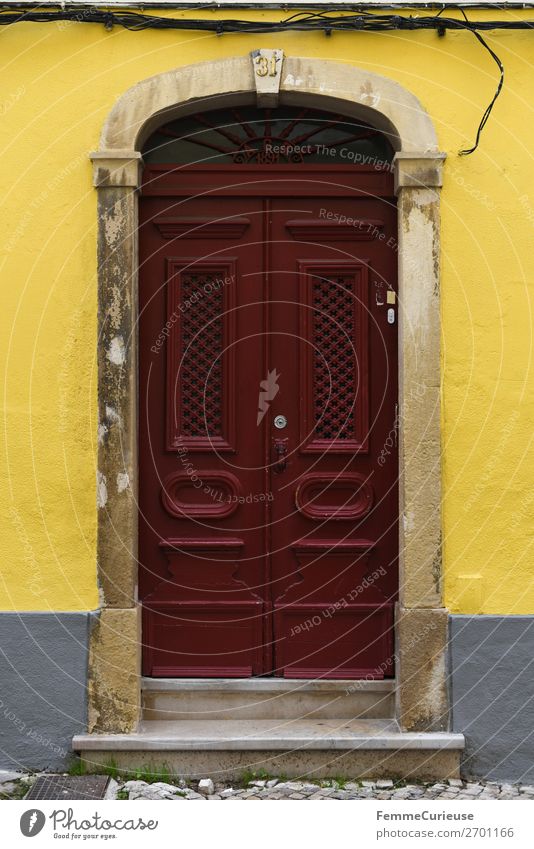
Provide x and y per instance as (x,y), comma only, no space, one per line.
(334,496)
(212,495)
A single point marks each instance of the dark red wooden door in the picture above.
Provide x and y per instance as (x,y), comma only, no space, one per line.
(267,463)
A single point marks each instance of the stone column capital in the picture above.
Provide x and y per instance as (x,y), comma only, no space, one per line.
(116,168)
(418,170)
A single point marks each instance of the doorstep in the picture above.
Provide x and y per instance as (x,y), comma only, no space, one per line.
(320,748)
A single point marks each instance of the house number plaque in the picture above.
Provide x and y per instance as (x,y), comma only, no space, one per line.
(267,67)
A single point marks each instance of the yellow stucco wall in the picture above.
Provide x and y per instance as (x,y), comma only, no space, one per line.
(59,82)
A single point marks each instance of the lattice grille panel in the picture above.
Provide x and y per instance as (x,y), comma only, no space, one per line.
(201,365)
(334,365)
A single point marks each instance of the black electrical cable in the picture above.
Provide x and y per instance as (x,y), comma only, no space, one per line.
(487,113)
(303,21)
(326,21)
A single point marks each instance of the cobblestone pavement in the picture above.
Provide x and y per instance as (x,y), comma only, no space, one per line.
(15,785)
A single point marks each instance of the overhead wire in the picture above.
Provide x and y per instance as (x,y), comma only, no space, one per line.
(327,21)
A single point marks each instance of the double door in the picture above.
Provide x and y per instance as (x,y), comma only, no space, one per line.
(267,466)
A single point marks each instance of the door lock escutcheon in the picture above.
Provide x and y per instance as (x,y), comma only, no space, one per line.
(280,451)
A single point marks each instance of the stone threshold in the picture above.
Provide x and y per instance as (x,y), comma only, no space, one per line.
(269,735)
(266,685)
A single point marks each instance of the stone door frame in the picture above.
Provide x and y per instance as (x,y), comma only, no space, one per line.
(421,623)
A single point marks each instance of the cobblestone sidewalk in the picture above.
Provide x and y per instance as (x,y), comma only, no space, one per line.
(15,785)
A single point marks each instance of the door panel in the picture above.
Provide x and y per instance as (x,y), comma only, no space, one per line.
(334,561)
(267,550)
(202,562)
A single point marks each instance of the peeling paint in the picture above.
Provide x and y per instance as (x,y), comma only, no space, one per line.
(112,227)
(117,351)
(115,311)
(112,415)
(368,96)
(291,80)
(101,490)
(102,430)
(422,635)
(436,680)
(437,566)
(123,481)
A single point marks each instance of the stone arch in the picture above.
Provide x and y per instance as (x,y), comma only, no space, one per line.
(376,99)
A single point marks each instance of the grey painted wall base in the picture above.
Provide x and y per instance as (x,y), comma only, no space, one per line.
(43,690)
(43,687)
(492,673)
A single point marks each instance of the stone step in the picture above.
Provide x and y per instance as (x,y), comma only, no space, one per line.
(321,748)
(265,698)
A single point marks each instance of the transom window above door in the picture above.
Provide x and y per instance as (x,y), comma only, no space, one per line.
(248,135)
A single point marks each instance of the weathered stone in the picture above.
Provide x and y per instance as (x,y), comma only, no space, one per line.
(117,367)
(206,786)
(114,672)
(159,790)
(112,789)
(7,788)
(6,776)
(111,169)
(419,448)
(507,788)
(267,84)
(416,171)
(423,640)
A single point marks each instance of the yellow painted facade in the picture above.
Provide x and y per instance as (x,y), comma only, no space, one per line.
(59,82)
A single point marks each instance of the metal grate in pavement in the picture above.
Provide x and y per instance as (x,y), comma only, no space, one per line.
(69,787)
